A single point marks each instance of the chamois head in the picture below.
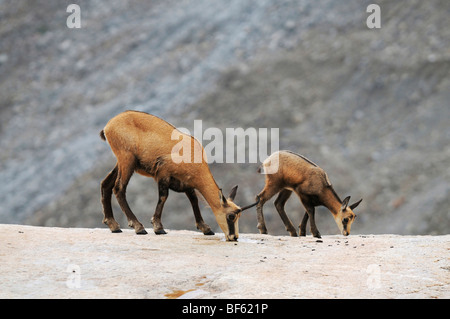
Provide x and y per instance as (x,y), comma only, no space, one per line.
(345,217)
(230,213)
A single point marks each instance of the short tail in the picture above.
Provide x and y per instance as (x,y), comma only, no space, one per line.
(260,169)
(102,135)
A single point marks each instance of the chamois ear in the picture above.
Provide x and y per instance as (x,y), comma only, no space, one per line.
(233,193)
(354,205)
(345,203)
(223,200)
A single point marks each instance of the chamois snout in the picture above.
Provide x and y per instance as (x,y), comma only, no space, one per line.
(229,219)
(346,216)
(344,221)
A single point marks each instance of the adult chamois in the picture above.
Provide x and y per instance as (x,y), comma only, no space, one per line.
(288,172)
(150,146)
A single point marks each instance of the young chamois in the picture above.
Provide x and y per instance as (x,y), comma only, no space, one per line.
(144,143)
(288,172)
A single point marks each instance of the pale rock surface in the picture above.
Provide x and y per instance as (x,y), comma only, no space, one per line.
(47,262)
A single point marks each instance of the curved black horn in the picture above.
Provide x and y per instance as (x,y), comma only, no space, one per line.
(250,206)
(354,205)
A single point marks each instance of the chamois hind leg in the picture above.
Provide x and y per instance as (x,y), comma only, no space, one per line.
(199,222)
(267,193)
(163,193)
(283,196)
(125,170)
(107,189)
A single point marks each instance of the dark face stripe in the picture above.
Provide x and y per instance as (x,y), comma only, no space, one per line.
(344,225)
(230,227)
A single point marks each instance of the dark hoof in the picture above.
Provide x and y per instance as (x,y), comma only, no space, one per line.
(141,232)
(160,232)
(116,231)
(209,233)
(262,229)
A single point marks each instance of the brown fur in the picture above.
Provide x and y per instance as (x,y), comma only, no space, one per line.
(142,143)
(298,174)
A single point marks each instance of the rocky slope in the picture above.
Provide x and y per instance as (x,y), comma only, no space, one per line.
(369,106)
(47,262)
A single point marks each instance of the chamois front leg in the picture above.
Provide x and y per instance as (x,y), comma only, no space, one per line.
(199,222)
(163,193)
(302,226)
(312,221)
